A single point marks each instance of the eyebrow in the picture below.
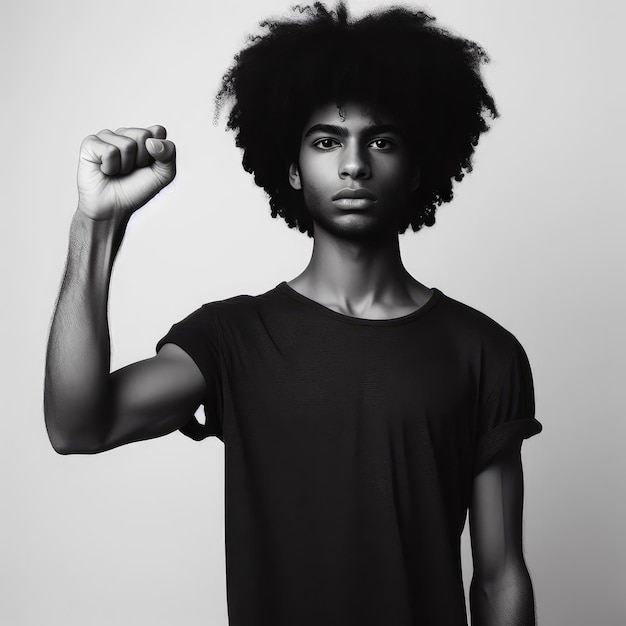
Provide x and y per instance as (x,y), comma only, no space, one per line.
(343,132)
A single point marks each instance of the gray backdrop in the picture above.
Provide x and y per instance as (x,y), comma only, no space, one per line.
(534,238)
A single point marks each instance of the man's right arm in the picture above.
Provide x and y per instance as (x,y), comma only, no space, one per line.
(88,409)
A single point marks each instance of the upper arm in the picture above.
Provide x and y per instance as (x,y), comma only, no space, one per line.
(496,514)
(153,397)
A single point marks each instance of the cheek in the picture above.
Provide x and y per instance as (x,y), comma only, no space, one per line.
(315,177)
(392,183)
(312,195)
(396,170)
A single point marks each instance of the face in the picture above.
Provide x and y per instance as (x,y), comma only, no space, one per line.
(354,171)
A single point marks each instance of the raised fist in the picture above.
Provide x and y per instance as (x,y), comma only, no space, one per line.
(118,172)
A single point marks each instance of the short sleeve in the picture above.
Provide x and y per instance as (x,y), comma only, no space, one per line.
(198,335)
(508,412)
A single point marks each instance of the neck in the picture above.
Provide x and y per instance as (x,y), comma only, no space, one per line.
(356,272)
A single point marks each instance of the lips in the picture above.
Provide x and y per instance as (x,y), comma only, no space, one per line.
(358,194)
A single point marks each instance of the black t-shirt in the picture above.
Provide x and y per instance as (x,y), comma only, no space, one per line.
(350,449)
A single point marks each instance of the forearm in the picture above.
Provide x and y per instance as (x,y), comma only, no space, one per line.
(78,354)
(505,601)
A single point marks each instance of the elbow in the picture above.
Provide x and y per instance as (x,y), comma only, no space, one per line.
(65,443)
(506,598)
(59,443)
(66,448)
(511,574)
(63,448)
(60,449)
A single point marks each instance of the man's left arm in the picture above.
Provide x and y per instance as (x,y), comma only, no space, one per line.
(501,592)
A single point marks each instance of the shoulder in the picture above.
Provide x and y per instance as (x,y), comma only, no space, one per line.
(475,329)
(496,360)
(233,310)
(240,304)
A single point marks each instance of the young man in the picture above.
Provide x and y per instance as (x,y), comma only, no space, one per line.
(362,412)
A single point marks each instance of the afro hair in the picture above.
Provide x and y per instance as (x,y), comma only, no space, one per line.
(395,59)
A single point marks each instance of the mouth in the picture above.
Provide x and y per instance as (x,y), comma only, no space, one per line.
(358,199)
(354,203)
(354,194)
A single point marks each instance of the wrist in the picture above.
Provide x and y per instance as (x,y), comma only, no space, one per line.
(91,227)
(95,242)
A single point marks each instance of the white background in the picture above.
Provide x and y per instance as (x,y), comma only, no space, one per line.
(533,238)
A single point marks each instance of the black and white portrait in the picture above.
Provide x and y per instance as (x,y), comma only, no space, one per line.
(314,313)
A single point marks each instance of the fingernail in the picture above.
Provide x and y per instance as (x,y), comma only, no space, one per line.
(156,145)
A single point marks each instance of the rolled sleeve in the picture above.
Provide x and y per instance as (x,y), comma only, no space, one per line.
(508,413)
(198,336)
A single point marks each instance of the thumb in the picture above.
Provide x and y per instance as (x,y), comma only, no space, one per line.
(161,150)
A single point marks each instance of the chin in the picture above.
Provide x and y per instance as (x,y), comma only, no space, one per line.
(356,228)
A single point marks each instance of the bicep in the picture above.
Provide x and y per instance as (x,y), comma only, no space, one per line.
(153,397)
(496,514)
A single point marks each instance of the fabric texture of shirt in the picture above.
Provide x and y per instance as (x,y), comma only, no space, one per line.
(350,449)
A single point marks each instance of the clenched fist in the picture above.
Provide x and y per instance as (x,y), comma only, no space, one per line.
(118,172)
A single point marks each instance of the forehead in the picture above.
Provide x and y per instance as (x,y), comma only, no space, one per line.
(352,115)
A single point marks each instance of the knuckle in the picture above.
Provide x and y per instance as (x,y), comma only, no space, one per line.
(128,146)
(109,150)
(138,134)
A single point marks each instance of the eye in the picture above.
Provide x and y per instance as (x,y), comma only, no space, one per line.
(325,143)
(382,144)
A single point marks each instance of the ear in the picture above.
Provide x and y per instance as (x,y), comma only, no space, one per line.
(294,176)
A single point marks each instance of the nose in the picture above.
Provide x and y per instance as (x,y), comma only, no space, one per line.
(353,163)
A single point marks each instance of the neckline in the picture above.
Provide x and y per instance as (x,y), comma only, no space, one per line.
(363,321)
